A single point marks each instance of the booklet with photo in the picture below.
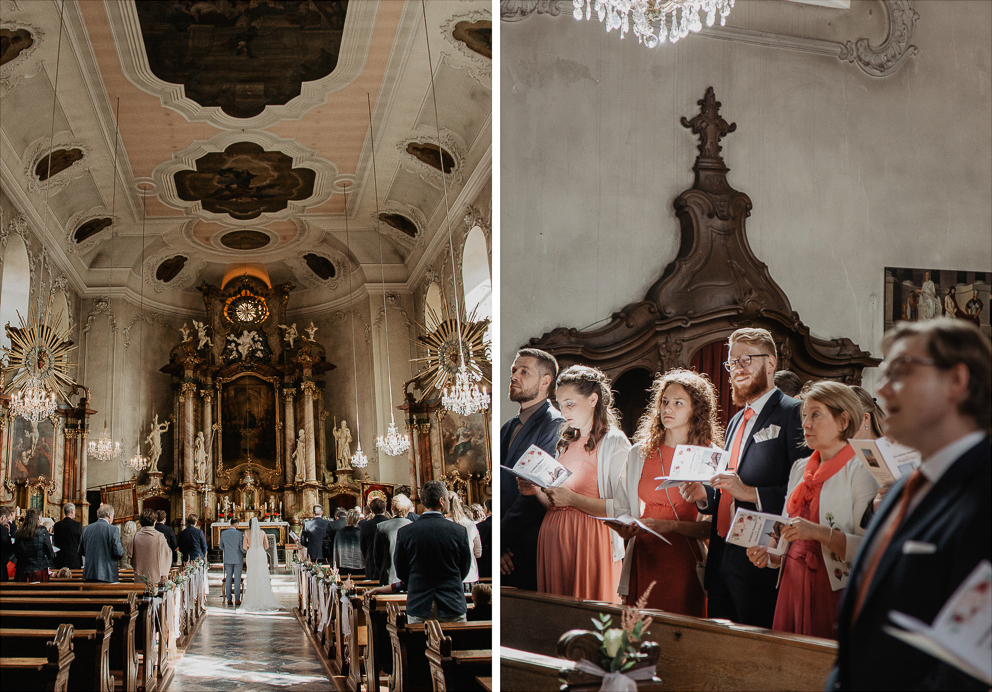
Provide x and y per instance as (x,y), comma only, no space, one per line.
(540,468)
(691,463)
(758,529)
(962,631)
(627,520)
(886,461)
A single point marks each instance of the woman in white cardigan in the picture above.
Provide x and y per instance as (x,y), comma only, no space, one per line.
(576,554)
(828,492)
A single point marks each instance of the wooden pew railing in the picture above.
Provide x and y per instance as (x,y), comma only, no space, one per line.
(458,668)
(48,673)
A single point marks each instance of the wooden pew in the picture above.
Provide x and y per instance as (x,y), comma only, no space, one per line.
(456,668)
(90,670)
(524,670)
(695,653)
(48,673)
(123,651)
(411,669)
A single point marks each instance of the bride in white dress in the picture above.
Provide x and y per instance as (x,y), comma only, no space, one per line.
(258,587)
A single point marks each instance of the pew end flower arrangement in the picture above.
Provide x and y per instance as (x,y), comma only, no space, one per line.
(612,659)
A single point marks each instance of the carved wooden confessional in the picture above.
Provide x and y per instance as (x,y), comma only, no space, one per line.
(714,286)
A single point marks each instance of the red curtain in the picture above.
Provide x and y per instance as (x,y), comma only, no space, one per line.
(709,359)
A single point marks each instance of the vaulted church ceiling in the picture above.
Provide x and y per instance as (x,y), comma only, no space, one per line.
(232,132)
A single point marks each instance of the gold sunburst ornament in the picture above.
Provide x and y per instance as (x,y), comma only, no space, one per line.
(443,354)
(38,356)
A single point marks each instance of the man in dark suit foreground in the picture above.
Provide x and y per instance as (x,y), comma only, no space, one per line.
(933,527)
(65,537)
(532,382)
(432,558)
(191,541)
(313,534)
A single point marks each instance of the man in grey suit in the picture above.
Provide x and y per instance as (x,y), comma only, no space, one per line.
(231,542)
(101,547)
(384,544)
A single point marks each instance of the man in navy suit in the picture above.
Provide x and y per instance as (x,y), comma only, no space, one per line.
(313,534)
(532,381)
(933,528)
(191,541)
(432,558)
(764,438)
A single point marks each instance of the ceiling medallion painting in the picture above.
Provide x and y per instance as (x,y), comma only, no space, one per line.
(91,228)
(245,181)
(170,268)
(67,163)
(86,230)
(472,36)
(323,267)
(245,240)
(477,36)
(13,42)
(242,56)
(400,223)
(423,155)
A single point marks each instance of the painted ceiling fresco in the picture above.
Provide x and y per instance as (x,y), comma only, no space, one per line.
(12,42)
(245,181)
(478,36)
(242,55)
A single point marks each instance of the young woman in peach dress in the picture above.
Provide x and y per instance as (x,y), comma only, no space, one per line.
(576,554)
(682,410)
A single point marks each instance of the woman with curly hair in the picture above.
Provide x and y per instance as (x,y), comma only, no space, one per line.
(576,554)
(682,410)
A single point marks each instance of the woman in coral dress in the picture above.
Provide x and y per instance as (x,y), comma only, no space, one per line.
(828,492)
(576,554)
(682,411)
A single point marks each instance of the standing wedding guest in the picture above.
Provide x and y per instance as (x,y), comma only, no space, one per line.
(100,546)
(313,534)
(827,495)
(682,411)
(150,553)
(65,537)
(6,544)
(457,514)
(933,527)
(127,541)
(367,535)
(532,381)
(788,382)
(347,552)
(384,545)
(162,526)
(191,541)
(432,559)
(765,439)
(576,554)
(33,549)
(486,536)
(327,543)
(872,428)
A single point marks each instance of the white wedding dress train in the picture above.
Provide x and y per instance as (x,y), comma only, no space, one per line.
(258,595)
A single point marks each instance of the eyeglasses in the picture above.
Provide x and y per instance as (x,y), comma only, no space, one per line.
(743,361)
(897,369)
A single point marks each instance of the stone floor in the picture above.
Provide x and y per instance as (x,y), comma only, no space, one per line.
(234,650)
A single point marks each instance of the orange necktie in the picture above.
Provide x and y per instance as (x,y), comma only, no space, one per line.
(912,485)
(723,517)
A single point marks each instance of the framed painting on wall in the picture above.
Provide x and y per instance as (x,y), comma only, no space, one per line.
(31,449)
(913,295)
(464,444)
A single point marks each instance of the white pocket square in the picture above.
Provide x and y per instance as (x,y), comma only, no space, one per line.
(769,433)
(918,548)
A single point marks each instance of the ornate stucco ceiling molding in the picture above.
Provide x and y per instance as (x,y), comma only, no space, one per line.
(39,149)
(183,280)
(325,172)
(342,268)
(878,61)
(355,42)
(481,67)
(408,211)
(450,142)
(104,235)
(27,61)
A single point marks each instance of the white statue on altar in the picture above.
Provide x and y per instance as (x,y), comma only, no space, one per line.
(342,439)
(300,455)
(201,332)
(200,458)
(291,334)
(154,441)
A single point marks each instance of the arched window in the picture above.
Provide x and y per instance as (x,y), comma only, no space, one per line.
(15,285)
(60,307)
(476,281)
(433,303)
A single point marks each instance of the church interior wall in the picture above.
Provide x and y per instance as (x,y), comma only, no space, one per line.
(847,173)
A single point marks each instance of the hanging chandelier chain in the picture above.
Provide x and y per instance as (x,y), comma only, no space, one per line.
(358,459)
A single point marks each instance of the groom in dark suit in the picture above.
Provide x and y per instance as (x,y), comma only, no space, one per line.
(532,381)
(933,528)
(764,438)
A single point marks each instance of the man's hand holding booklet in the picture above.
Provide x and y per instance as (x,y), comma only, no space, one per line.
(693,464)
(540,468)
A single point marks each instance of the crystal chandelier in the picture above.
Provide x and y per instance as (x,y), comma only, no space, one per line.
(105,449)
(138,462)
(646,15)
(465,398)
(358,459)
(34,402)
(392,443)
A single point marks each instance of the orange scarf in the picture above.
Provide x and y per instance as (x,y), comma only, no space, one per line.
(812,482)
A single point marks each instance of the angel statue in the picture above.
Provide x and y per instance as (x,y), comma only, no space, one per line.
(154,441)
(290,335)
(201,456)
(300,455)
(342,438)
(186,332)
(201,332)
(311,330)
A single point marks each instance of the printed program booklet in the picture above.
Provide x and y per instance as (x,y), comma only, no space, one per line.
(627,520)
(694,464)
(961,634)
(886,461)
(540,468)
(758,529)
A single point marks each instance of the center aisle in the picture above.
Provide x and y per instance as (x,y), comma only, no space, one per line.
(234,650)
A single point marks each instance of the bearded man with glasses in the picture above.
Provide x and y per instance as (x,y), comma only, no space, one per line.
(764,438)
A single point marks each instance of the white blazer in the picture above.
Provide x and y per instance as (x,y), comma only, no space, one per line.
(611,456)
(843,499)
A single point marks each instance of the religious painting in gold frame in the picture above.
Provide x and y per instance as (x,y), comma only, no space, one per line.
(250,420)
(31,449)
(465,446)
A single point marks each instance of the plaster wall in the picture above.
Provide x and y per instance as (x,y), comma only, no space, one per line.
(848,173)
